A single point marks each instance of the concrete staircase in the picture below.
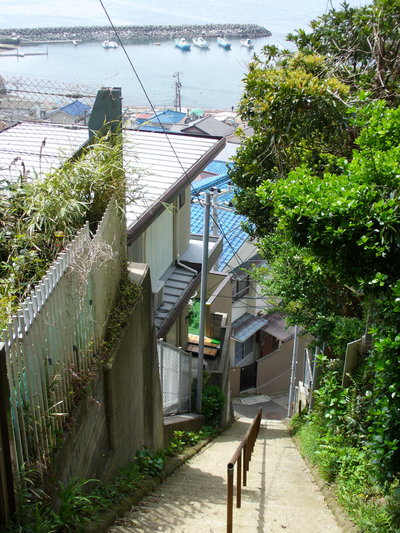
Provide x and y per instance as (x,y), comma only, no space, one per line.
(280,495)
(174,288)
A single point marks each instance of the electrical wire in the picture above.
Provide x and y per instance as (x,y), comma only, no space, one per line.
(162,127)
(159,121)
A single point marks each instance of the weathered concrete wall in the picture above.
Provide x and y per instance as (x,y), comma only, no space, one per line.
(123,408)
(273,371)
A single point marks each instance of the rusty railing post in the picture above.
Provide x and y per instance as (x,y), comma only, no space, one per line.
(239,482)
(242,457)
(229,519)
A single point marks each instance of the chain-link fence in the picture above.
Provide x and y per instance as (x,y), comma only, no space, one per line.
(41,100)
(175,367)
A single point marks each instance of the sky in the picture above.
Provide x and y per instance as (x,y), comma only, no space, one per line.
(42,13)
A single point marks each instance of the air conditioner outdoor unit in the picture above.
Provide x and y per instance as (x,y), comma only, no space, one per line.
(158,293)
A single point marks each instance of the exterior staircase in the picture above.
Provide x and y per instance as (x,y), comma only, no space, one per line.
(175,287)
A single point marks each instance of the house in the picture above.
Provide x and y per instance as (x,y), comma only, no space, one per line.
(207,125)
(260,343)
(74,113)
(158,222)
(125,410)
(161,121)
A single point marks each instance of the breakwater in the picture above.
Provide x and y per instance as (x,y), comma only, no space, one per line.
(134,33)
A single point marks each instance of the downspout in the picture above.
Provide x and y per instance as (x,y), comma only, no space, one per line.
(190,269)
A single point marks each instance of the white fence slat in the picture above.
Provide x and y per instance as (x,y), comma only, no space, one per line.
(56,331)
(35,355)
(19,456)
(18,378)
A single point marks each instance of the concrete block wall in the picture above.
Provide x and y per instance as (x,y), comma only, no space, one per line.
(123,408)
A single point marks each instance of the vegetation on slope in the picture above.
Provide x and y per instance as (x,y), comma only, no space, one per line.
(38,217)
(319,182)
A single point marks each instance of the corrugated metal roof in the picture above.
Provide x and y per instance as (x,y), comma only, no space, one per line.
(35,149)
(277,327)
(229,222)
(157,161)
(246,325)
(162,160)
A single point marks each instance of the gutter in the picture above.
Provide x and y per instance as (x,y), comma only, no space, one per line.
(186,178)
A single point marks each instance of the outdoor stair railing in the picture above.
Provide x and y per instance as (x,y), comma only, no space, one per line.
(242,457)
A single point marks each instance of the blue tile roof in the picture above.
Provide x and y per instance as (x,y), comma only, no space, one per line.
(167,117)
(229,222)
(75,109)
(205,183)
(217,167)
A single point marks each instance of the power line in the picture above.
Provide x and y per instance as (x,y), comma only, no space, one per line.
(161,125)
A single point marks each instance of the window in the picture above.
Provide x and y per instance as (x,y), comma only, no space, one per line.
(243,349)
(241,286)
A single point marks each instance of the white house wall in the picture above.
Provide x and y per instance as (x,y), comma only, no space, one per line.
(182,222)
(159,243)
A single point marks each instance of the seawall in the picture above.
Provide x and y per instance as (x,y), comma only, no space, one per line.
(134,33)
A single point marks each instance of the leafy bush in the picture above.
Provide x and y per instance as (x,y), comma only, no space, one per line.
(182,440)
(148,462)
(212,404)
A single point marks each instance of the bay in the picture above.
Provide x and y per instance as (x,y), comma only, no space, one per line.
(211,79)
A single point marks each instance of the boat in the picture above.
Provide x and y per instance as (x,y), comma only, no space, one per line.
(224,43)
(247,43)
(200,42)
(110,44)
(182,44)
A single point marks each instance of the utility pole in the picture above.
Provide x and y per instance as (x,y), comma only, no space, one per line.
(293,372)
(214,220)
(203,295)
(178,85)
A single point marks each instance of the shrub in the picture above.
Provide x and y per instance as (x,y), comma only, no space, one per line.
(212,404)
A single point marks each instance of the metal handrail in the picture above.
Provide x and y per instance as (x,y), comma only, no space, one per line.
(242,457)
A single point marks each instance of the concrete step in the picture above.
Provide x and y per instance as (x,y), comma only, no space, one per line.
(280,494)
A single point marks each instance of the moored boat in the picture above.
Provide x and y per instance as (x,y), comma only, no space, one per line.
(200,42)
(247,43)
(182,44)
(224,43)
(110,44)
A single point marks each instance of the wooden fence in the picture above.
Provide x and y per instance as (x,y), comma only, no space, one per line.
(51,342)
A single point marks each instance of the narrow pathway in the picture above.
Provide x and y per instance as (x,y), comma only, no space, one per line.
(281,494)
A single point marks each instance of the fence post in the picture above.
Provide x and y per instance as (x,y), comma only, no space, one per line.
(7,499)
(161,365)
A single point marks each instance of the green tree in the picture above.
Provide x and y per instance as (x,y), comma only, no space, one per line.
(362,46)
(298,114)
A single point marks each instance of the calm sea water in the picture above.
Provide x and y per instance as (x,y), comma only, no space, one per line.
(211,79)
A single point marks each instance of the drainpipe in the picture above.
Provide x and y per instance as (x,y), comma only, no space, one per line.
(190,269)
